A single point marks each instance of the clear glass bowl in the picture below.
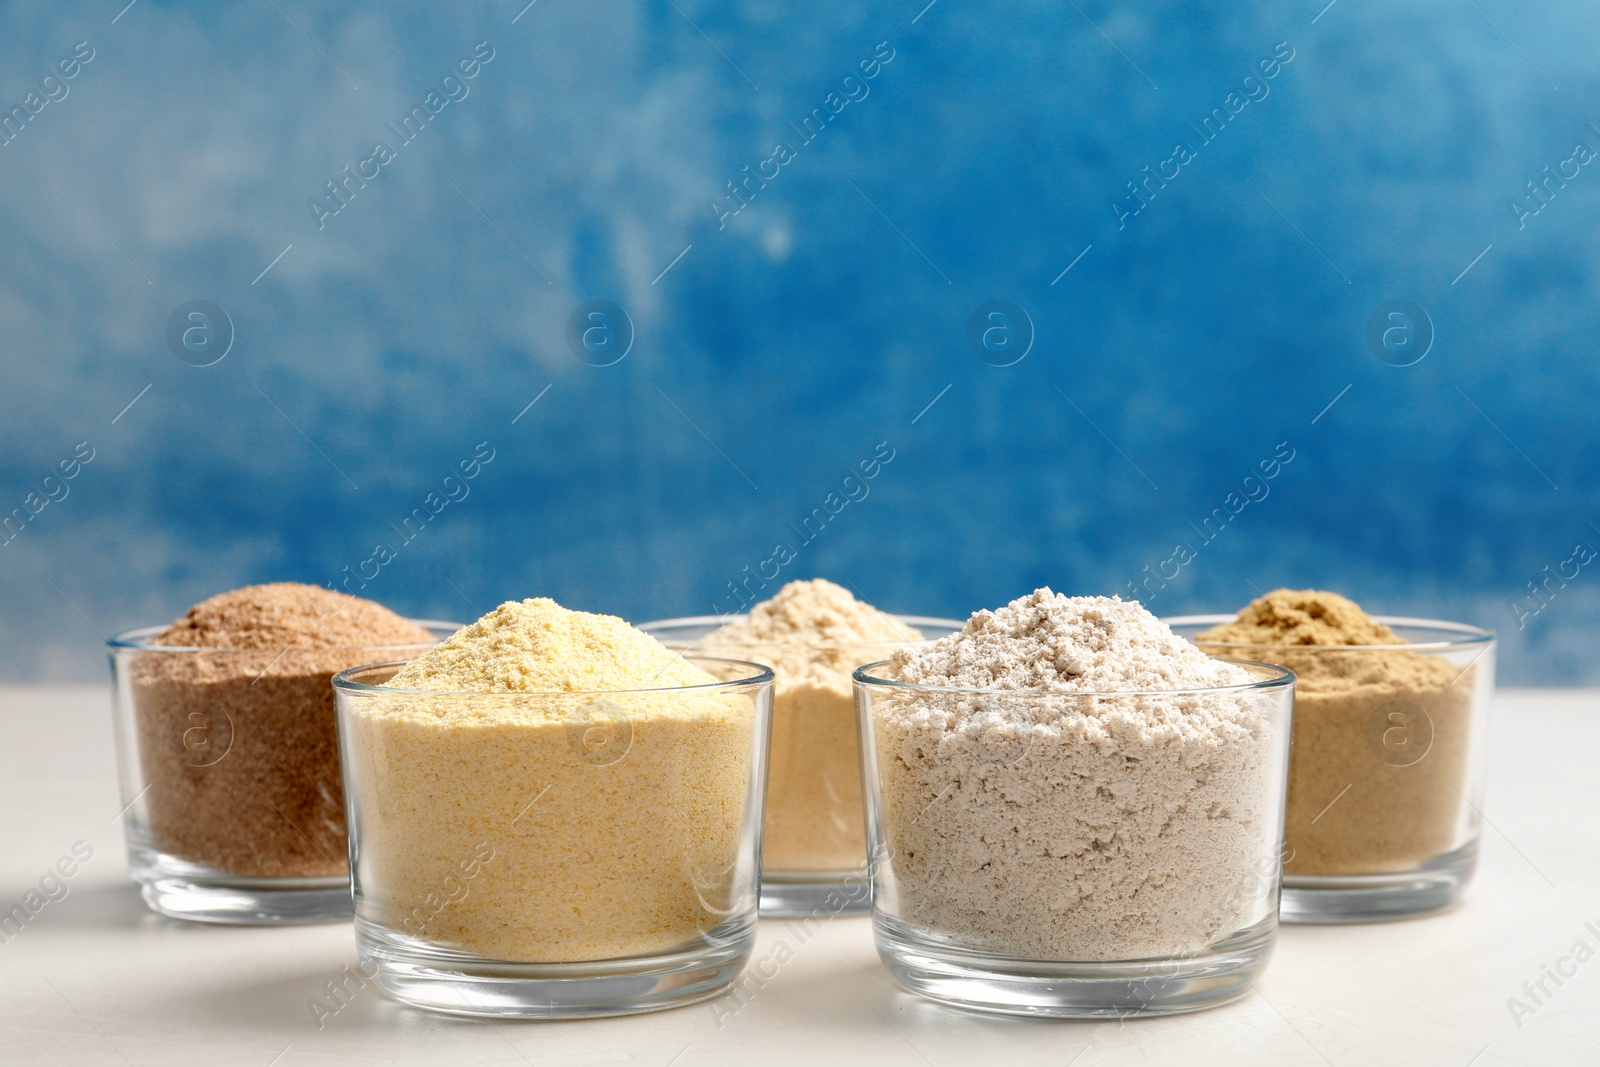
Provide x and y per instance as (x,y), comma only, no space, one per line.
(814,845)
(1386,775)
(555,855)
(1065,854)
(229,768)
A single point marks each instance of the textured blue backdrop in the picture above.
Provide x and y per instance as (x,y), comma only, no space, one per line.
(498,167)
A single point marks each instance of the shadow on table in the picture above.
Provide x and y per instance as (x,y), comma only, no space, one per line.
(866,995)
(333,1000)
(90,906)
(325,1008)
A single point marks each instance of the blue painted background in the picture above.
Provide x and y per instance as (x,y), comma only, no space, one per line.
(786,342)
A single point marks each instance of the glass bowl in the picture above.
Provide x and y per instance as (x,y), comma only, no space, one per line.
(555,855)
(1076,854)
(229,768)
(814,844)
(1386,776)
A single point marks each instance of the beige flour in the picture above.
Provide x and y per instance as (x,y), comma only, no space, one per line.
(1356,806)
(813,634)
(1055,825)
(533,813)
(238,742)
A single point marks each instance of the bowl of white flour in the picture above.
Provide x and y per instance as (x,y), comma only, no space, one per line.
(1074,811)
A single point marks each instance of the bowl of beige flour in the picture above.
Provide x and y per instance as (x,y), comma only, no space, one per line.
(813,633)
(1074,811)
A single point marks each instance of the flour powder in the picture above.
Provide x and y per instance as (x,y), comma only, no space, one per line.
(813,633)
(597,820)
(1043,819)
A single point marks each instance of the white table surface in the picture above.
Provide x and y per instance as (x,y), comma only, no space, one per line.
(96,978)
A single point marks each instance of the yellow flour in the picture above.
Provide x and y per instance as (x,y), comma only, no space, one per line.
(813,633)
(538,646)
(536,812)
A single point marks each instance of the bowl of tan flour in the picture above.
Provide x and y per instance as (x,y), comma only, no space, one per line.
(1074,811)
(554,815)
(1386,771)
(813,634)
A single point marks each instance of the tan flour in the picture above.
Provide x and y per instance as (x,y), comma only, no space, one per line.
(813,634)
(1052,824)
(238,742)
(1359,801)
(546,817)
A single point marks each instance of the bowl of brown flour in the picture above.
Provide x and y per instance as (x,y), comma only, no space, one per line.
(1386,772)
(1074,812)
(228,750)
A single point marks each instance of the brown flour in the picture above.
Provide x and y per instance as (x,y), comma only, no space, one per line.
(813,634)
(238,743)
(1365,795)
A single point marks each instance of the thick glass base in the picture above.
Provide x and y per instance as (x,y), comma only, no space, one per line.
(1367,898)
(966,979)
(184,890)
(803,894)
(425,977)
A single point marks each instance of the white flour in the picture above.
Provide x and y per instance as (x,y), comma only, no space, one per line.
(1059,825)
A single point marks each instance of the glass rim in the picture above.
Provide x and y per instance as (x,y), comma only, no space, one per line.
(343,682)
(719,621)
(1278,677)
(134,640)
(1467,635)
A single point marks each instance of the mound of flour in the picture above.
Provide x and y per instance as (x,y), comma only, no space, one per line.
(1043,821)
(813,633)
(1076,644)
